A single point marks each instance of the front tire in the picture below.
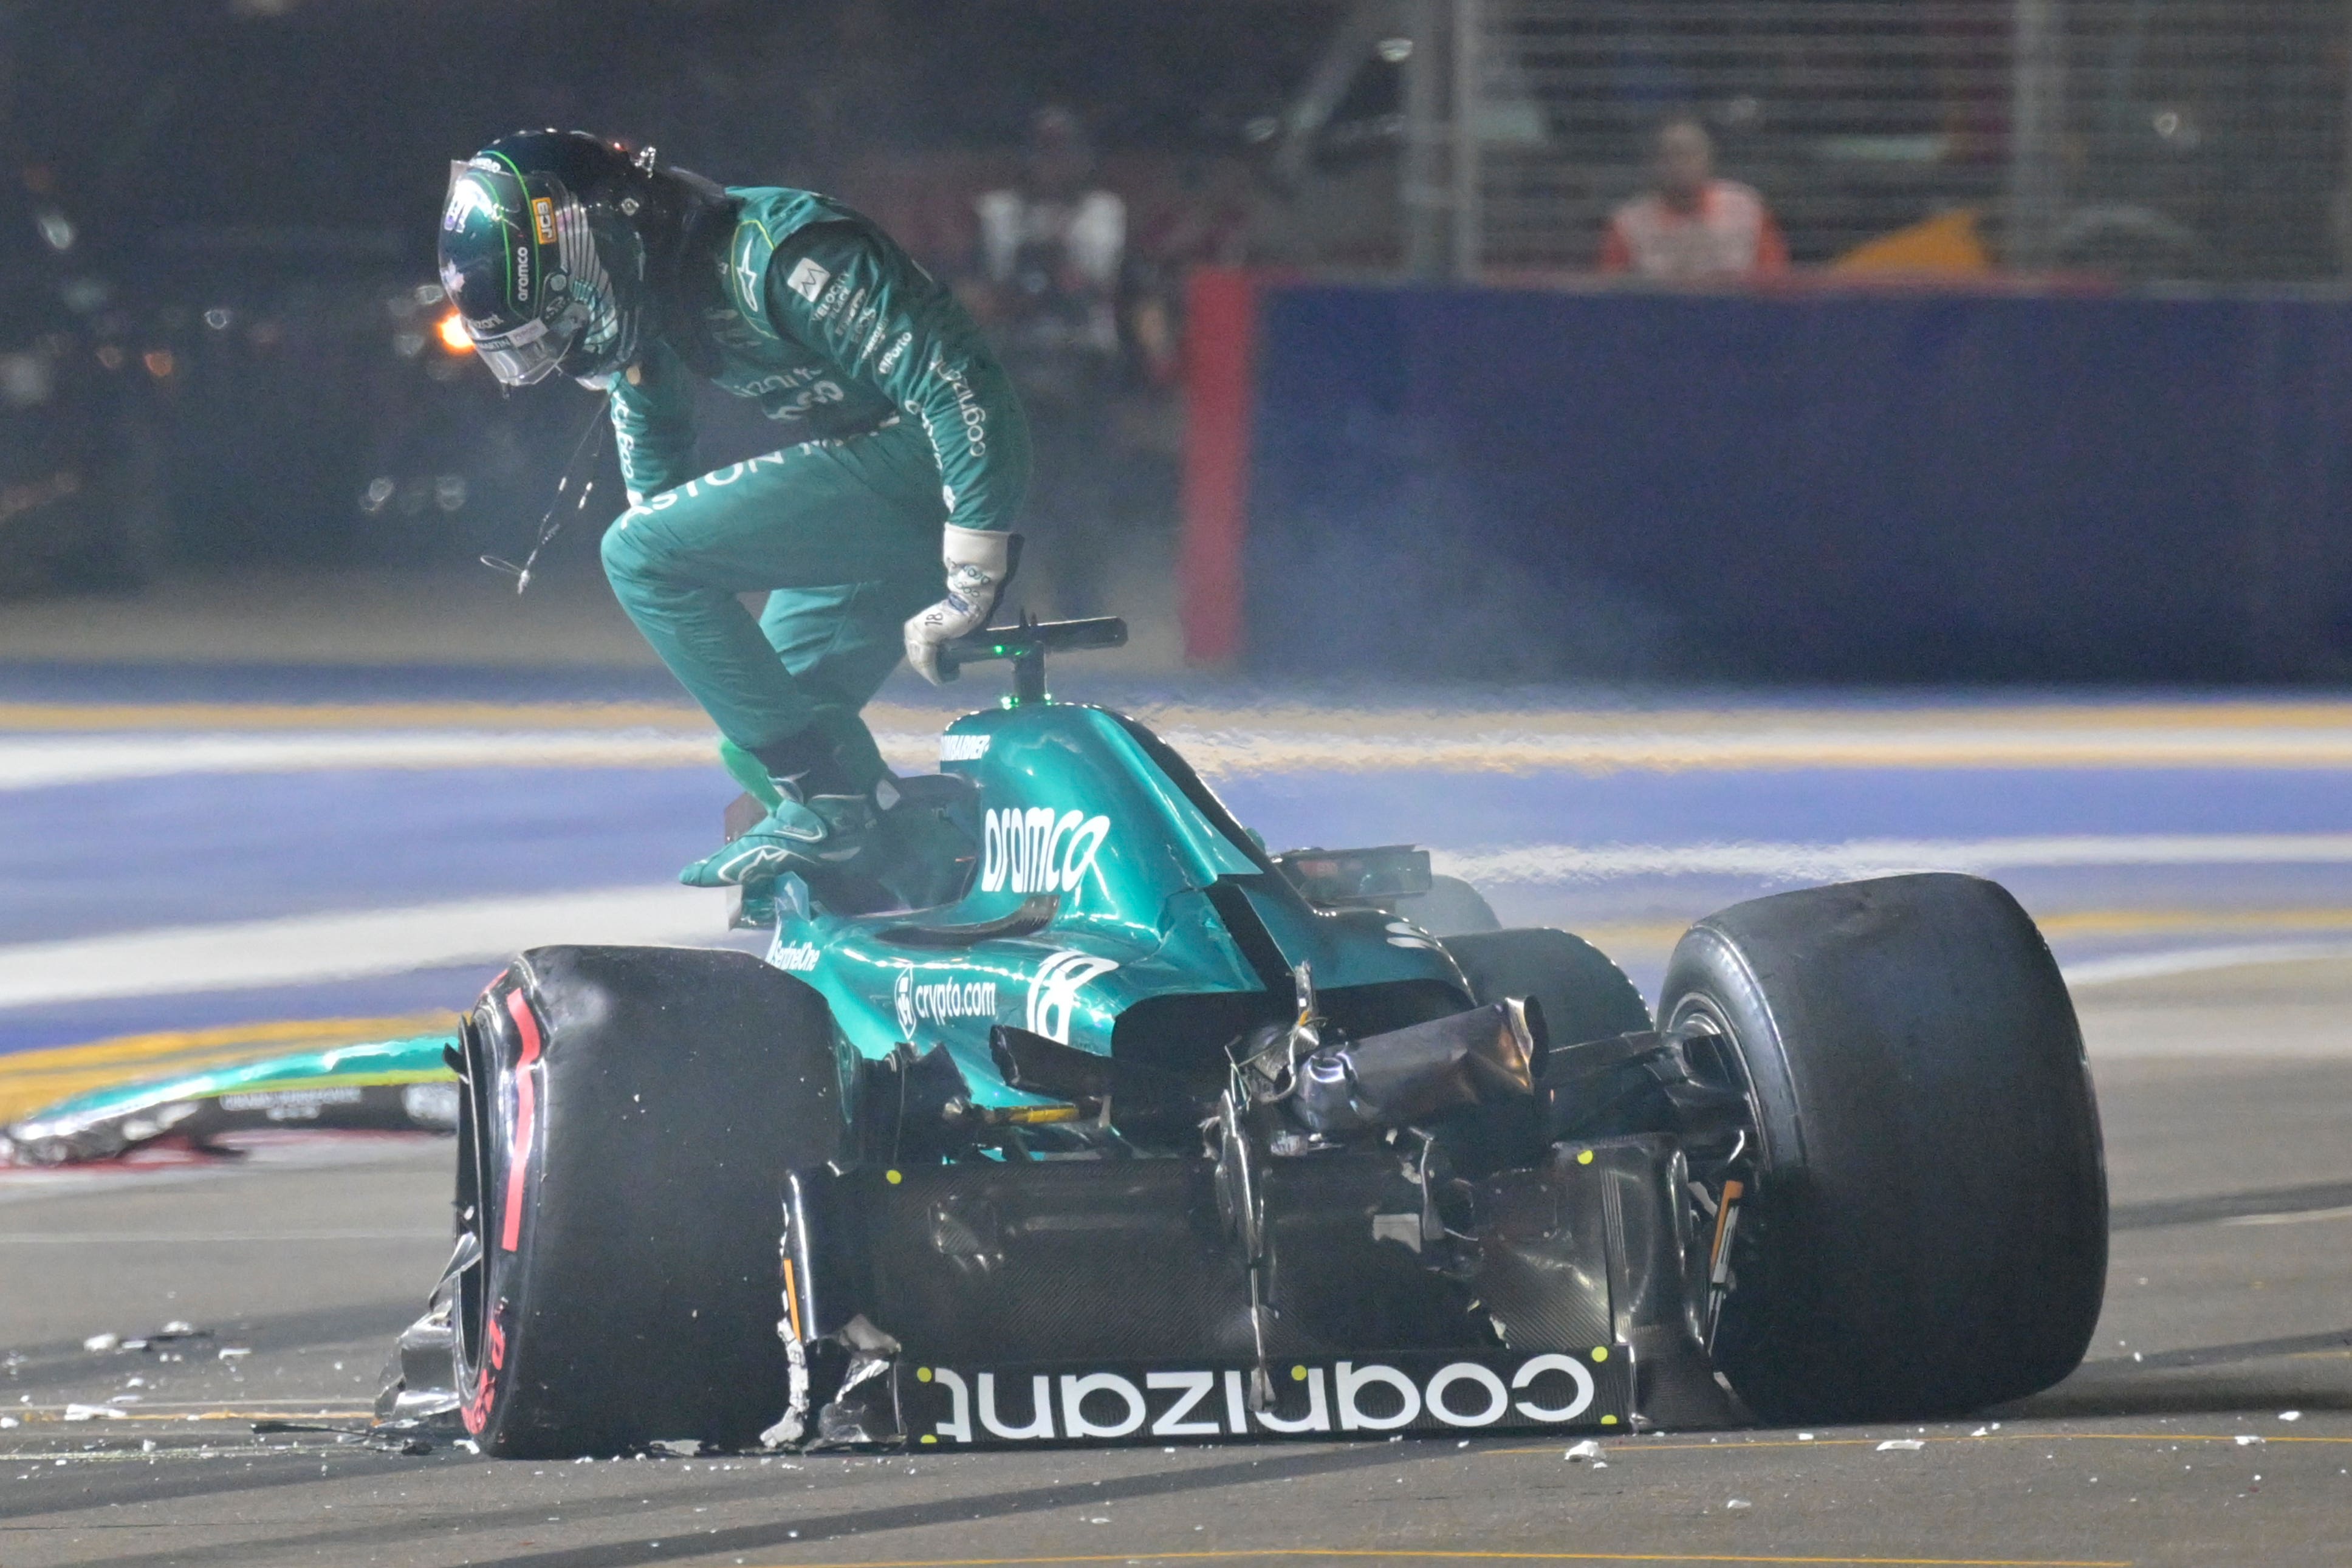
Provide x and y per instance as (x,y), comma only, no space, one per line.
(1929,1233)
(631,1115)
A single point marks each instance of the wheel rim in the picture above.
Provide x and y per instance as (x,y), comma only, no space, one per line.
(1711,1048)
(472,1308)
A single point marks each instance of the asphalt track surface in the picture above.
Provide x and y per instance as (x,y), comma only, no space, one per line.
(265,858)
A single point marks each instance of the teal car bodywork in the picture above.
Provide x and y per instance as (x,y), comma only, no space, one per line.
(1101,881)
(1077,873)
(394,1085)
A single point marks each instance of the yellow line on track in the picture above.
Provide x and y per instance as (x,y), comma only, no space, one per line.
(1636,1445)
(1243,741)
(1411,1554)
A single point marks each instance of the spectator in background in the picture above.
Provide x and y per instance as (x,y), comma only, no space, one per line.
(1053,252)
(1692,228)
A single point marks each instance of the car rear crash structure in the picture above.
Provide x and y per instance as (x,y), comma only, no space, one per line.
(1083,1119)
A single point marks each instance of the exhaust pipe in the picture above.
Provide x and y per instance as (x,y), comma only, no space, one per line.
(1390,1080)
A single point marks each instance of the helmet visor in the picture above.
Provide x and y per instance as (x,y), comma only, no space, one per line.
(521,357)
(521,260)
(496,244)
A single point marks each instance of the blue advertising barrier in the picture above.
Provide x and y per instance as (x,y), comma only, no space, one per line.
(1532,483)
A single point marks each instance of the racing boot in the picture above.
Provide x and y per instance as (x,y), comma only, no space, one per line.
(810,837)
(805,833)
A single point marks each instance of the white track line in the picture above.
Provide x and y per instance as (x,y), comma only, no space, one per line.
(35,764)
(2125,967)
(298,950)
(1351,742)
(43,763)
(304,949)
(1887,857)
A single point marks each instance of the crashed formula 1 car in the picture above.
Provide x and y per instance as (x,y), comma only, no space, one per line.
(1084,1119)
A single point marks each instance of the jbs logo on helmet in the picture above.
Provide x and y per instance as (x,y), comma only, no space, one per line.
(1426,1392)
(1039,850)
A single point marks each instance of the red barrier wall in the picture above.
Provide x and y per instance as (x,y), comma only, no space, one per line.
(1221,355)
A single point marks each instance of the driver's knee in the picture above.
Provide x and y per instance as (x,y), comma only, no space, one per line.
(638,554)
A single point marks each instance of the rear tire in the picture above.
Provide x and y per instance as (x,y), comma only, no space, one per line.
(632,1115)
(1582,994)
(1451,907)
(1929,1233)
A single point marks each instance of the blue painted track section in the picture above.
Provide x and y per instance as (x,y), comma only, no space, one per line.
(84,861)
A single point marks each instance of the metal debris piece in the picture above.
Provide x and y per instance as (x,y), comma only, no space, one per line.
(420,1379)
(412,1436)
(168,1342)
(1901,1446)
(271,1428)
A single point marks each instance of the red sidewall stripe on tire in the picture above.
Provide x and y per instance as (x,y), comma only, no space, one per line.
(526,1121)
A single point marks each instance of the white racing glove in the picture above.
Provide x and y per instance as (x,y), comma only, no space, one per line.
(976,560)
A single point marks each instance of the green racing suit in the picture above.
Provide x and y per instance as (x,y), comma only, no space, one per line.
(897,421)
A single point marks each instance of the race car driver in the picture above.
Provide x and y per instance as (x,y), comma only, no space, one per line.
(901,459)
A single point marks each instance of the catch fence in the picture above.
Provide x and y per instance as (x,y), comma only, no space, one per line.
(2200,140)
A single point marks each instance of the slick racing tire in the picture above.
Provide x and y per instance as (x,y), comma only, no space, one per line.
(631,1116)
(1928,1229)
(1583,995)
(1451,907)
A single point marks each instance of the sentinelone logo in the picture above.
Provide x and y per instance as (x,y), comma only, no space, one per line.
(1548,1390)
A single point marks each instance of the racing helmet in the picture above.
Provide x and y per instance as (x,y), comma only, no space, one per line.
(550,242)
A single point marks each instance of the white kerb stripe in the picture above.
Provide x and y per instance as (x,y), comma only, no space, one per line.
(31,764)
(2125,967)
(251,953)
(1886,857)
